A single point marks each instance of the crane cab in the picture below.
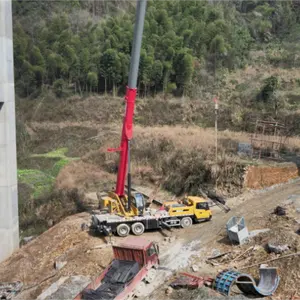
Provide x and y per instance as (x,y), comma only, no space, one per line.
(113,204)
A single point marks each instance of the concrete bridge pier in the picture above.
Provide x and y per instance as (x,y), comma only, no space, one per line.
(9,220)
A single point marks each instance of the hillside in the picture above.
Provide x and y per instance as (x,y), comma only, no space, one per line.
(71,68)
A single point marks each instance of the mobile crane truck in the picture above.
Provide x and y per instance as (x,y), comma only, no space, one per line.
(123,213)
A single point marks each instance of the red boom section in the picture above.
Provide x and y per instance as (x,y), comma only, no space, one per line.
(126,136)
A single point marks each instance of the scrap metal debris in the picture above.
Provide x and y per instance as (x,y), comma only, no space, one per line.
(9,290)
(218,255)
(189,281)
(277,248)
(267,285)
(237,230)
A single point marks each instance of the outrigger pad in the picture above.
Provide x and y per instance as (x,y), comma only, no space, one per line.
(267,285)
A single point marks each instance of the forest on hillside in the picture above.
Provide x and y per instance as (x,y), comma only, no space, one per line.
(84,46)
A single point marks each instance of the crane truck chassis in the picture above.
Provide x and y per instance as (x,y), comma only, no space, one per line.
(172,214)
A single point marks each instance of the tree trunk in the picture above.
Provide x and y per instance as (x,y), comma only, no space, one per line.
(105,86)
(80,91)
(114,89)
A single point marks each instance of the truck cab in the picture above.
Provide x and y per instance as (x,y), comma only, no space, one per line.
(194,206)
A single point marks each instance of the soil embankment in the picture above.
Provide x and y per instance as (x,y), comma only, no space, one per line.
(262,176)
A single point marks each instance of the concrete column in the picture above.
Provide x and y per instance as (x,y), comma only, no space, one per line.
(9,220)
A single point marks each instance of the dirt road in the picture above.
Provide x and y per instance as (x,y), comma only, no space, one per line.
(254,206)
(34,262)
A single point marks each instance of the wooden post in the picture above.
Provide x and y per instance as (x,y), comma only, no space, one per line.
(216,126)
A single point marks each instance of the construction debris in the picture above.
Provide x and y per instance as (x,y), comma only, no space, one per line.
(237,230)
(280,211)
(241,255)
(218,255)
(195,268)
(28,239)
(269,260)
(189,281)
(59,264)
(267,285)
(10,289)
(256,232)
(169,291)
(273,246)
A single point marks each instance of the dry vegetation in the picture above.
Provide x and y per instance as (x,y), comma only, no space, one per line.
(173,147)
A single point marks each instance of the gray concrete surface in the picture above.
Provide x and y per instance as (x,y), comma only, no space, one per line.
(9,222)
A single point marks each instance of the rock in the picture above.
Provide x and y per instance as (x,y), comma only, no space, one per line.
(215,252)
(172,239)
(91,200)
(195,268)
(169,291)
(59,264)
(84,227)
(280,211)
(277,248)
(50,223)
(27,239)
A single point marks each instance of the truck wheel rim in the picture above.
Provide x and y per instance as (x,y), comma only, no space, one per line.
(123,230)
(138,228)
(186,222)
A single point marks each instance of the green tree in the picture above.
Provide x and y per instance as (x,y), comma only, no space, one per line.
(183,67)
(110,65)
(92,79)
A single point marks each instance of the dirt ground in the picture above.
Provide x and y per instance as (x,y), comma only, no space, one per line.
(33,264)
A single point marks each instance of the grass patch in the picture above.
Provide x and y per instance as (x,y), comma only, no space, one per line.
(40,182)
(58,153)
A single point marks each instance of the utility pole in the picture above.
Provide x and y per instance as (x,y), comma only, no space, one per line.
(216,126)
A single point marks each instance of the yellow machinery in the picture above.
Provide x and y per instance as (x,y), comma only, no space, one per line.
(114,204)
(196,206)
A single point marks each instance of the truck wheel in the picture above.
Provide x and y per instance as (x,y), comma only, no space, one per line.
(123,230)
(138,228)
(186,222)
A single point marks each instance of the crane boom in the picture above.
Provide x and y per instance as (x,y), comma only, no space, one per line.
(124,162)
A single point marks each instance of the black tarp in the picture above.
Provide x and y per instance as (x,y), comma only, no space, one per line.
(118,276)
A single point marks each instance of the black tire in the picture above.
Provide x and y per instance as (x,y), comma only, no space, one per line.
(138,228)
(123,230)
(186,222)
